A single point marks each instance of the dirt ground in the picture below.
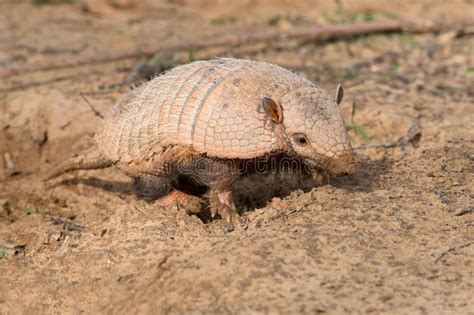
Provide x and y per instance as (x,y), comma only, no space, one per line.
(394,238)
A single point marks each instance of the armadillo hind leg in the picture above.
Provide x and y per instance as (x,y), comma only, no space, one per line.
(191,204)
(222,203)
(89,161)
(151,187)
(160,191)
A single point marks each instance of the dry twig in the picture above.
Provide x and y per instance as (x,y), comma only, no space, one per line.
(312,33)
(95,111)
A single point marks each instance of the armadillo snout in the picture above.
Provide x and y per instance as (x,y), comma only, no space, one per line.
(342,165)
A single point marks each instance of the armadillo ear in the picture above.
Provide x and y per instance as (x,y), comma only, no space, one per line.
(273,110)
(339,94)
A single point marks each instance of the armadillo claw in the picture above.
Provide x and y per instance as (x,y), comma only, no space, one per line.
(236,222)
(222,204)
(230,217)
(229,227)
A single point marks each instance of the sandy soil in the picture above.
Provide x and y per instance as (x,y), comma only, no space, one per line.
(396,237)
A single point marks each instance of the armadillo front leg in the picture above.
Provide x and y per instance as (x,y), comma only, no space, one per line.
(220,175)
(222,203)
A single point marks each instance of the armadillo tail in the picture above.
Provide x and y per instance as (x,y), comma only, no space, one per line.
(89,161)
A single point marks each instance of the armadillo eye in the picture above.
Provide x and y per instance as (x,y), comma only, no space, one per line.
(301,139)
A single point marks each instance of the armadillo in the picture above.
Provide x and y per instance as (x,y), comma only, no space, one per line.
(204,120)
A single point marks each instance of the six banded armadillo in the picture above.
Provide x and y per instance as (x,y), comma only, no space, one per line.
(204,120)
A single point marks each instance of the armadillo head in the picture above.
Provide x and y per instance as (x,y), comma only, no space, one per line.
(311,124)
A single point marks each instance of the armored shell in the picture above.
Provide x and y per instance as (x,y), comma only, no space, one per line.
(196,119)
(211,107)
